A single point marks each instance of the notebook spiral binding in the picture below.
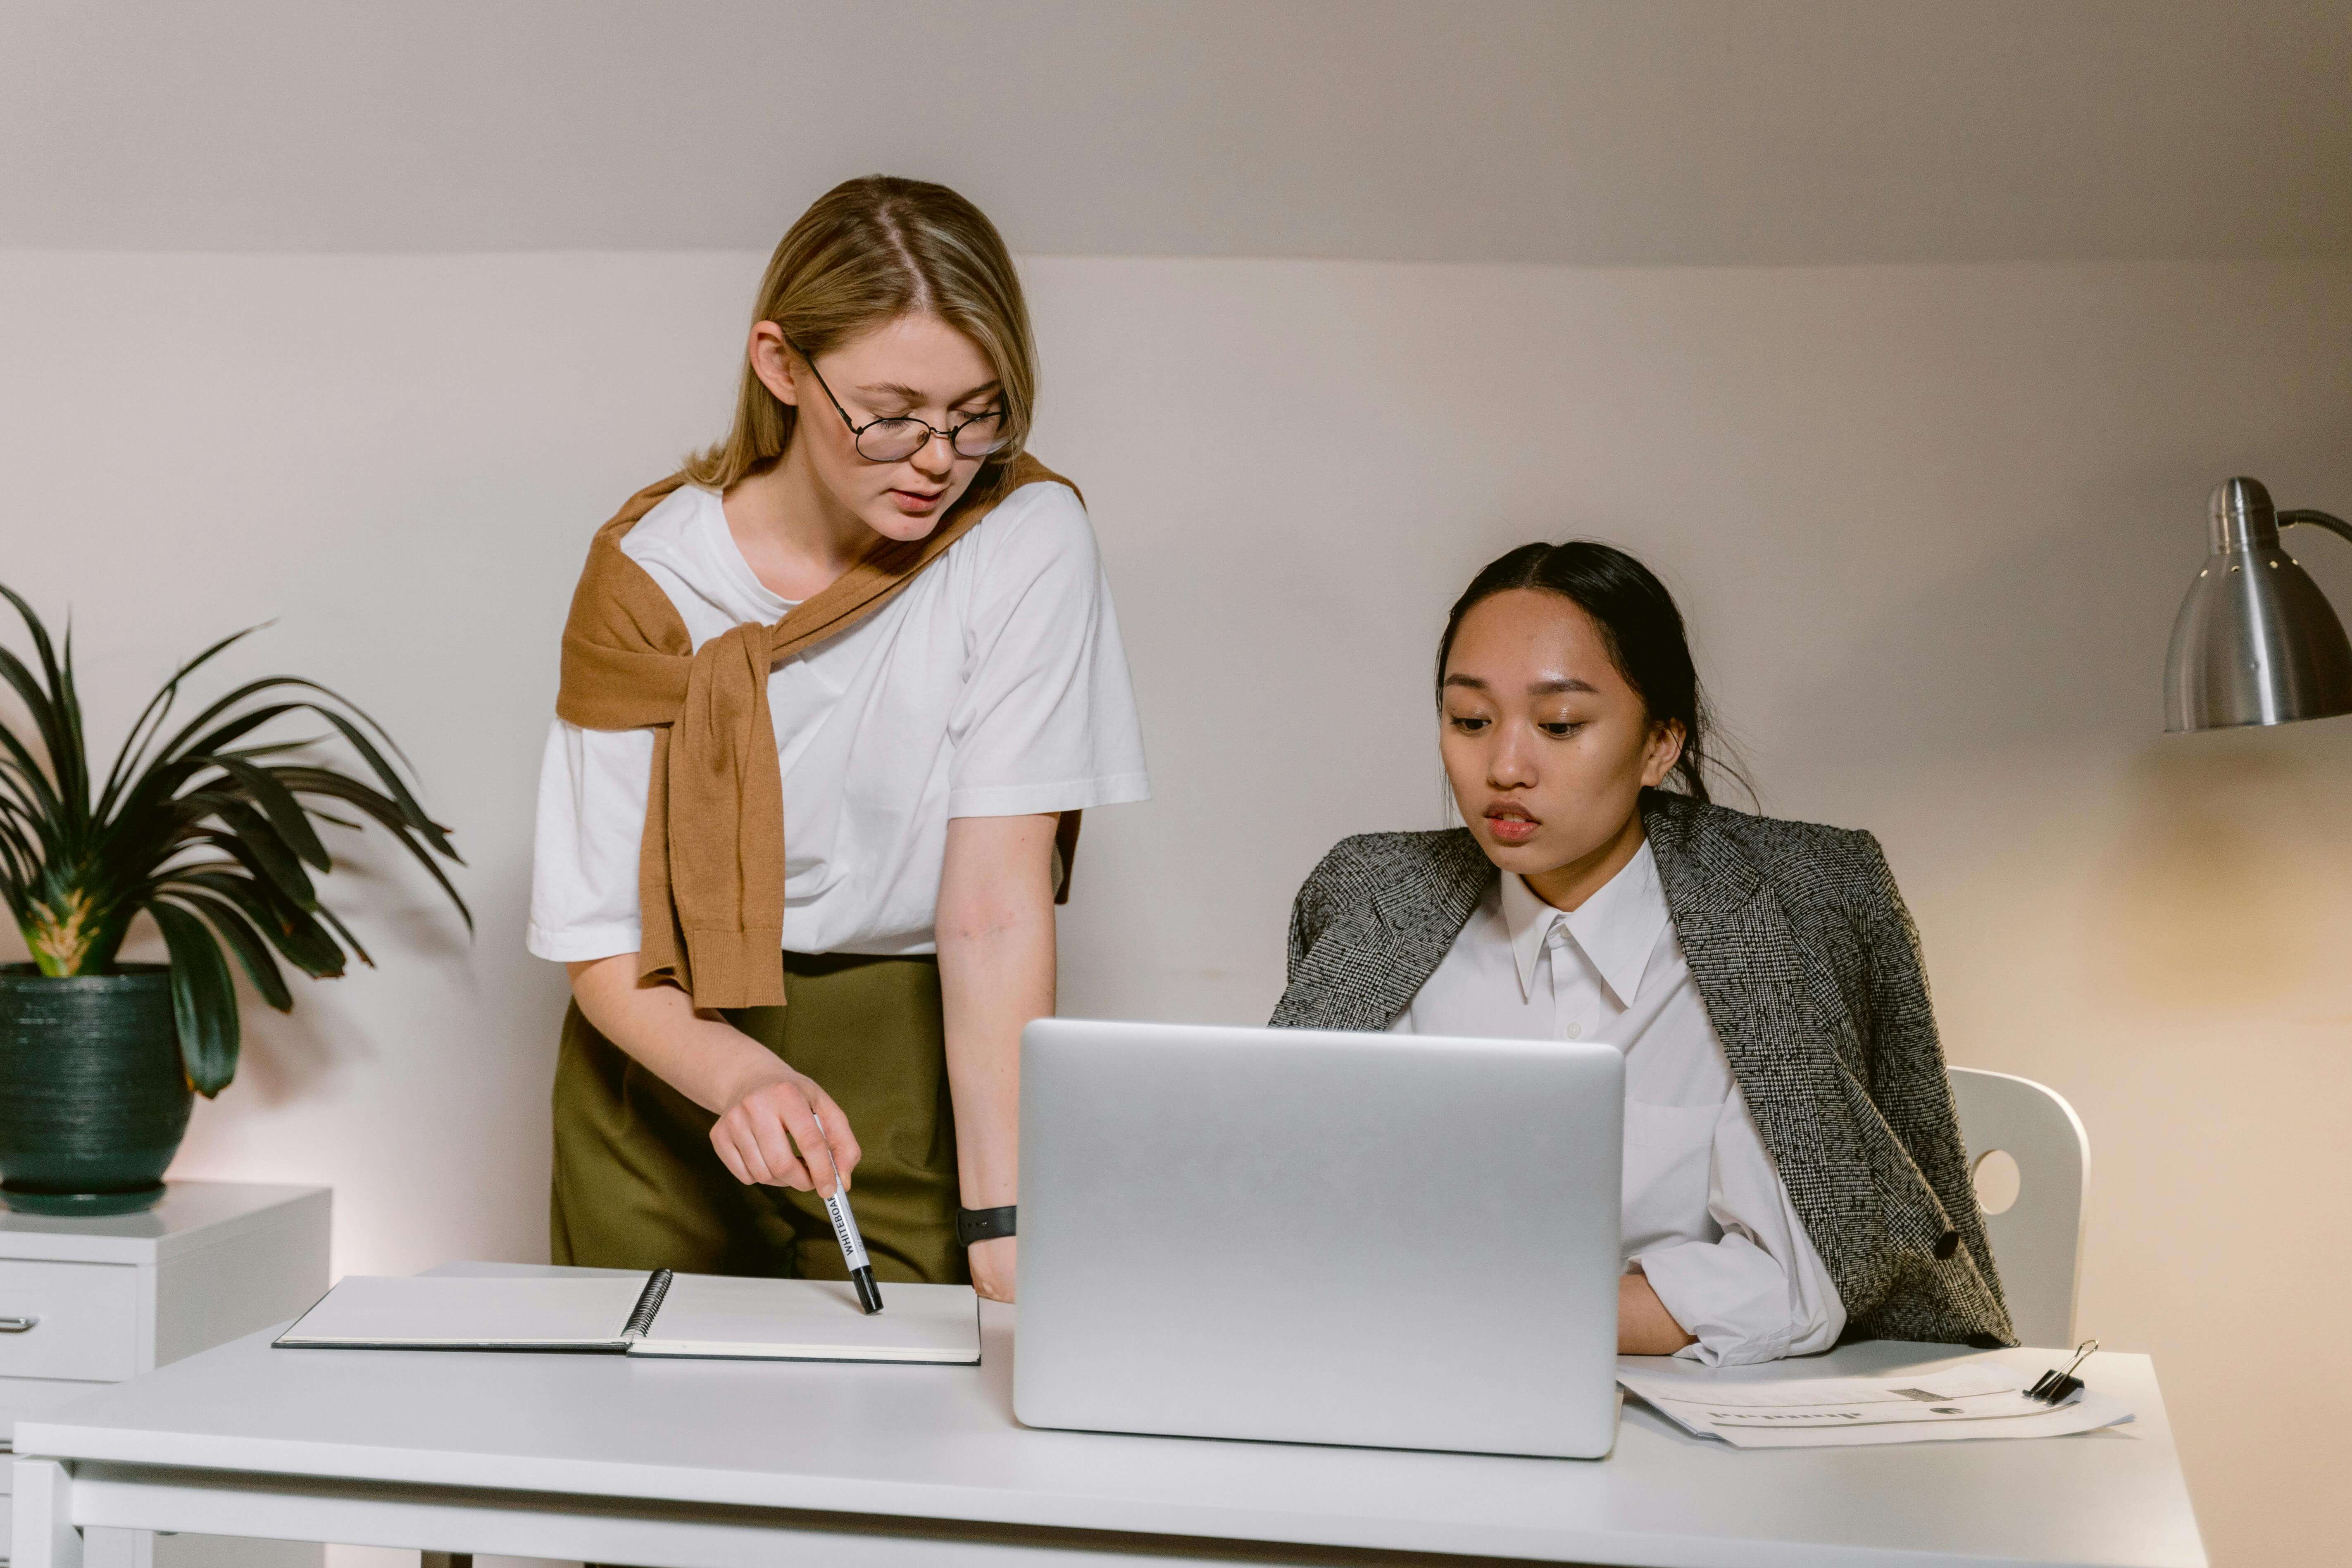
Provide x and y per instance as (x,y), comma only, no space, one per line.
(649,1300)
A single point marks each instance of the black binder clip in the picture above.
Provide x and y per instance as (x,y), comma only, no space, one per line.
(2055,1387)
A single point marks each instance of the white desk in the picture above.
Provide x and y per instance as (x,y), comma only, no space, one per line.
(719,1464)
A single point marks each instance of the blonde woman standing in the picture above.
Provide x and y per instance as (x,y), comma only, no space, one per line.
(832,699)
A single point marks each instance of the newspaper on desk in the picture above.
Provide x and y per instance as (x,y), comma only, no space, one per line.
(1969,1399)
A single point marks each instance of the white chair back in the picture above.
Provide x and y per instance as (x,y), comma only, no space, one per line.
(2037,1239)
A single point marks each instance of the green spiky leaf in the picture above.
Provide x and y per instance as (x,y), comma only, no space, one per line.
(253,956)
(204,1002)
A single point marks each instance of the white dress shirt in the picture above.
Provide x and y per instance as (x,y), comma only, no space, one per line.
(993,685)
(1706,1215)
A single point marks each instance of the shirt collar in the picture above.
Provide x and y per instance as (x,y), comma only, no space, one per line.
(724,557)
(1617,927)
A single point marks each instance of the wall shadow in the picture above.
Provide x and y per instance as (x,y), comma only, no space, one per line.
(2218,889)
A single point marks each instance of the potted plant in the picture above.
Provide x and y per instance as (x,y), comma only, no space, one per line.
(211,831)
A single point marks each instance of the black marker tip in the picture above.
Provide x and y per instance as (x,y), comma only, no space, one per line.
(869,1295)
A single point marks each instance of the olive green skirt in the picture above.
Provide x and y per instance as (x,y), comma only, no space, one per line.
(638,1184)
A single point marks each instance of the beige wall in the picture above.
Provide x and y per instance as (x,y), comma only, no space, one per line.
(1930,525)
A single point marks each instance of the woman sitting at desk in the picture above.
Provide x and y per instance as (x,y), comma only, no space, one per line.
(1793,1173)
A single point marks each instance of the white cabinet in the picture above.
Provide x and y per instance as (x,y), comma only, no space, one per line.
(88,1302)
(74,1320)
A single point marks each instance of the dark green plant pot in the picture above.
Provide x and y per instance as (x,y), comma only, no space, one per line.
(93,1100)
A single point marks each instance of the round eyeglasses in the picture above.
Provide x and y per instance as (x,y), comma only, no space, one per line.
(896,439)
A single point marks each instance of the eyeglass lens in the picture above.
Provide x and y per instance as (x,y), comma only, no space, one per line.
(893,440)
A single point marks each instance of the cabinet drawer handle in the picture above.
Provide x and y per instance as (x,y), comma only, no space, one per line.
(17,1325)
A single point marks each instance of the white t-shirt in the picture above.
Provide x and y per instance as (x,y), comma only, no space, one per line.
(1705,1215)
(993,685)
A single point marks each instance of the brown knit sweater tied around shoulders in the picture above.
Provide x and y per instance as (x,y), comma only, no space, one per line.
(710,871)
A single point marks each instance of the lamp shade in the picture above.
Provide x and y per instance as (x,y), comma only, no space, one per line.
(2256,641)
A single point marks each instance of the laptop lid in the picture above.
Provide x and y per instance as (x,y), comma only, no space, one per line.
(1311,1236)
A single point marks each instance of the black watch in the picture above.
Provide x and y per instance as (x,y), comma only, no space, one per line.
(983,1225)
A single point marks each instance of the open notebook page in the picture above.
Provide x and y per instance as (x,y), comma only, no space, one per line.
(443,1313)
(812,1320)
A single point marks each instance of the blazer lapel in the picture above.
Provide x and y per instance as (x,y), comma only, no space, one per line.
(1422,919)
(1365,967)
(1741,954)
(1759,989)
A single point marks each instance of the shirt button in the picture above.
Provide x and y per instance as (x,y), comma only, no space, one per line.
(1576,1031)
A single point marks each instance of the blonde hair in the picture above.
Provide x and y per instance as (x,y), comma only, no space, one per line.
(868,252)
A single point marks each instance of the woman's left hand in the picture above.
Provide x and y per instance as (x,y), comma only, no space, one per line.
(992,1267)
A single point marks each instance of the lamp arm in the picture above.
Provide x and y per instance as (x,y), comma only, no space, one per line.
(2334,525)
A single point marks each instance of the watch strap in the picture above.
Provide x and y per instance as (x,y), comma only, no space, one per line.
(983,1225)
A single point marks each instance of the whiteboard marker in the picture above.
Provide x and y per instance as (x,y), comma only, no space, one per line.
(845,1231)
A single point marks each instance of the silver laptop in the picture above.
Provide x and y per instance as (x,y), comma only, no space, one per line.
(1300,1235)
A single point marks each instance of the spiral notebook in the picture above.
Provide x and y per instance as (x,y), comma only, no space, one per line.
(660,1314)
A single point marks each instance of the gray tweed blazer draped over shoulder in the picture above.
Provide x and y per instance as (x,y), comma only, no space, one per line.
(1808,967)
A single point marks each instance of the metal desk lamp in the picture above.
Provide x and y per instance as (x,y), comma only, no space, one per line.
(2256,642)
